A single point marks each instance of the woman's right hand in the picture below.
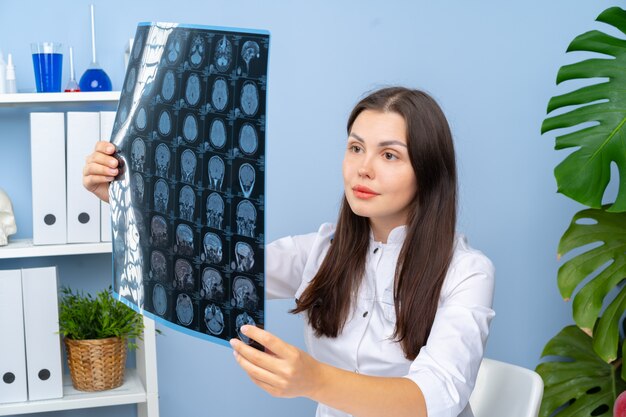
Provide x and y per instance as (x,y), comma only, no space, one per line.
(100,169)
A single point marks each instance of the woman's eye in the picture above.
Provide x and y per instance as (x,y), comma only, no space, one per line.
(355,148)
(389,156)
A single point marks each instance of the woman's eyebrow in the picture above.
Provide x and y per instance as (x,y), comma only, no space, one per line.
(392,142)
(381,144)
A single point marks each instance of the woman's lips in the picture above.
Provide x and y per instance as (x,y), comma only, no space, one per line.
(363,192)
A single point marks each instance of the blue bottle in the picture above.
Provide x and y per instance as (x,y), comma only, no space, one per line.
(95,79)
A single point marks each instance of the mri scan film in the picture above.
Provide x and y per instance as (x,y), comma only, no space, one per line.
(188,207)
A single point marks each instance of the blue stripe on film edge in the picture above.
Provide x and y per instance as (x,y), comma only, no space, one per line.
(208,27)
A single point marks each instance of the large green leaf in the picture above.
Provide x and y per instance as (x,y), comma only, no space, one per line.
(578,382)
(606,233)
(585,173)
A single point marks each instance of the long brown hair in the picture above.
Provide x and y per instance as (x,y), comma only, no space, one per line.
(427,250)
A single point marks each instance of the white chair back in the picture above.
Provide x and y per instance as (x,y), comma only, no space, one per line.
(506,390)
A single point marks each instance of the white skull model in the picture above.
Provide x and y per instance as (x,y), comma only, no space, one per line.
(7,219)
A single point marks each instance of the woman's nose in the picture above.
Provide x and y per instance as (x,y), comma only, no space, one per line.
(365,170)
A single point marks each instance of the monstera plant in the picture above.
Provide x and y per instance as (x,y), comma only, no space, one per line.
(583,372)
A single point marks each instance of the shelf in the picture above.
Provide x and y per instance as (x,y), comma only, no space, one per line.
(132,392)
(24,248)
(7,100)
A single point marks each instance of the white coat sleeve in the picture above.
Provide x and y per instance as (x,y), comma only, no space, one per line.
(446,367)
(285,260)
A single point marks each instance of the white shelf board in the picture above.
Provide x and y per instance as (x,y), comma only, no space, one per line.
(44,98)
(24,248)
(131,392)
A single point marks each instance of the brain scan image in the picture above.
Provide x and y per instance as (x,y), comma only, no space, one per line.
(138,155)
(214,319)
(159,299)
(158,266)
(217,134)
(223,54)
(212,285)
(219,94)
(248,139)
(173,50)
(137,187)
(244,293)
(168,88)
(190,128)
(161,196)
(243,319)
(214,211)
(184,240)
(188,164)
(247,177)
(187,203)
(246,218)
(162,160)
(212,245)
(142,120)
(127,230)
(158,231)
(130,80)
(165,123)
(249,98)
(183,275)
(244,256)
(216,173)
(184,309)
(196,53)
(137,46)
(249,51)
(192,91)
(187,213)
(122,114)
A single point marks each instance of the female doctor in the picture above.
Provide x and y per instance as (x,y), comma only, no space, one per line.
(397,306)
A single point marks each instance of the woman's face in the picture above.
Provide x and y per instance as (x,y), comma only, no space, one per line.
(379,180)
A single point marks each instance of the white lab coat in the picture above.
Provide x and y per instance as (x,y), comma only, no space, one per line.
(446,367)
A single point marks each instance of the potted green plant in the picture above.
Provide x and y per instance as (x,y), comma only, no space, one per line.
(584,373)
(96,332)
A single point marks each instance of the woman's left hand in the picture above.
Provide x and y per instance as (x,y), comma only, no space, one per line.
(282,370)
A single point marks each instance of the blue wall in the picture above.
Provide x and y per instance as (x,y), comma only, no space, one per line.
(491,65)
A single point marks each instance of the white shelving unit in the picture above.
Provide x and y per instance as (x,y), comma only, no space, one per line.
(25,99)
(140,384)
(24,248)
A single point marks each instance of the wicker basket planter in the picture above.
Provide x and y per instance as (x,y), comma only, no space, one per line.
(96,364)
